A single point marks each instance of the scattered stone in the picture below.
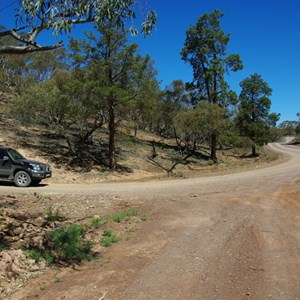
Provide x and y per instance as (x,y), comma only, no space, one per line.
(19,229)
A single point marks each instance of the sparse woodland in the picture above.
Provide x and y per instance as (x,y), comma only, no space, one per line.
(96,92)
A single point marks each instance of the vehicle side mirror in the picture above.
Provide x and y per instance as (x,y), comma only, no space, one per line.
(5,157)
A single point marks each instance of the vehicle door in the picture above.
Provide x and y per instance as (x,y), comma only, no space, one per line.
(5,164)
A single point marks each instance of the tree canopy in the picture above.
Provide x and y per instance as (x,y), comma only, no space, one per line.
(92,94)
(254,118)
(34,17)
(205,49)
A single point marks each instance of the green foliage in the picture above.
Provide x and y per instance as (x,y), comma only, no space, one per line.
(112,82)
(33,17)
(205,49)
(109,237)
(11,69)
(297,130)
(173,99)
(69,244)
(97,222)
(127,214)
(38,254)
(254,119)
(118,76)
(41,66)
(289,127)
(62,16)
(195,127)
(118,217)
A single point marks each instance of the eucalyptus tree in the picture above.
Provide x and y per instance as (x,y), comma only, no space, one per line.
(205,49)
(36,16)
(40,66)
(195,126)
(254,118)
(66,105)
(17,72)
(143,106)
(288,127)
(173,98)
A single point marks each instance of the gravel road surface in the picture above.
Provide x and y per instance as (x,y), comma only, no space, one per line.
(234,236)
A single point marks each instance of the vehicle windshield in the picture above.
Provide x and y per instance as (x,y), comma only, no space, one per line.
(15,155)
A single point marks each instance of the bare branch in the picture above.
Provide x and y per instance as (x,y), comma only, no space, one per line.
(28,39)
(27,49)
(8,32)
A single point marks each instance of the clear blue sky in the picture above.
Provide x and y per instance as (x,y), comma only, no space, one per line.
(266,34)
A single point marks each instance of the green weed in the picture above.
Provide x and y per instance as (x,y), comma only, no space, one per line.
(126,214)
(109,237)
(97,222)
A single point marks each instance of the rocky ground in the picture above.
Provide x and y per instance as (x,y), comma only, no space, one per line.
(24,223)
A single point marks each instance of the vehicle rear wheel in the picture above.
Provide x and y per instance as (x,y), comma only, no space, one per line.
(22,179)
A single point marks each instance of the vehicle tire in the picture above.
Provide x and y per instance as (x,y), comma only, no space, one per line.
(22,179)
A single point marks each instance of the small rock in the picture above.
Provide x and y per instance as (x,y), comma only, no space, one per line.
(38,222)
(10,275)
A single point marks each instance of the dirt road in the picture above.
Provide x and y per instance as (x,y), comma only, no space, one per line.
(235,236)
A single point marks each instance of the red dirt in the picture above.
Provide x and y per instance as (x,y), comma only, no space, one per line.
(234,236)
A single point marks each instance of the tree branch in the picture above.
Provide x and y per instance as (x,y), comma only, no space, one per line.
(27,49)
(28,38)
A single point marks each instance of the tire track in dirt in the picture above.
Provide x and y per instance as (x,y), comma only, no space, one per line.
(222,237)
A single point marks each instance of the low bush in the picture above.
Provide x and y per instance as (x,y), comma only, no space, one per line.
(69,245)
(38,254)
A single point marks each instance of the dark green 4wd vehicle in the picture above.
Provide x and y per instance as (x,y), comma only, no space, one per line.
(23,172)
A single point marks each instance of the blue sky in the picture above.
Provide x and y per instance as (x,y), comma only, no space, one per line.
(266,34)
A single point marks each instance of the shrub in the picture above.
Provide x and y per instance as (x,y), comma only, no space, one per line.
(69,244)
(38,254)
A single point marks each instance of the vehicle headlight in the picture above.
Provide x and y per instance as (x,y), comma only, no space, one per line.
(36,167)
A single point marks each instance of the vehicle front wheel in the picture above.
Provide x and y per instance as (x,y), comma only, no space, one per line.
(22,179)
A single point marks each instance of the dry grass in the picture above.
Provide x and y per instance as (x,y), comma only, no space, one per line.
(134,157)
